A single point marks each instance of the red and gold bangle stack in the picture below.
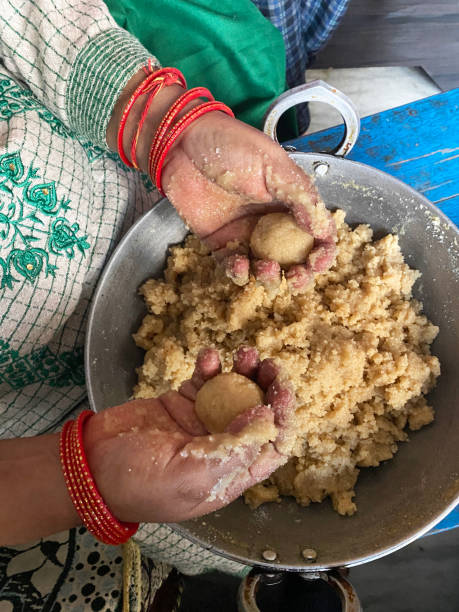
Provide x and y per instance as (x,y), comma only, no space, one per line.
(170,128)
(154,82)
(87,500)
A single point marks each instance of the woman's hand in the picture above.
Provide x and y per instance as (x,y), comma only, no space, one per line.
(153,460)
(223,174)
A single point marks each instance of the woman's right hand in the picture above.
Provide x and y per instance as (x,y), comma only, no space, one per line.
(223,175)
(153,461)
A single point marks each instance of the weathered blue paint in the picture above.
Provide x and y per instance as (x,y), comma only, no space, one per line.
(419,144)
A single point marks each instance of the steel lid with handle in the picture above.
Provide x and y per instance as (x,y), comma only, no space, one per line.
(397,502)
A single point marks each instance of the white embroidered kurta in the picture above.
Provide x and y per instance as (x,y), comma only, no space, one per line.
(65,201)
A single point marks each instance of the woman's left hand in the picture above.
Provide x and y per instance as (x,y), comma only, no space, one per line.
(153,460)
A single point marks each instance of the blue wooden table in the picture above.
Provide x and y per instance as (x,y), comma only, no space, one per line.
(419,144)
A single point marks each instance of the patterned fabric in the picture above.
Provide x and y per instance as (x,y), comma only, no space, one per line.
(305,26)
(65,202)
(66,572)
(161,543)
(72,56)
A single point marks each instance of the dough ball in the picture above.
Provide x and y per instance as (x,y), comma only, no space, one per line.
(223,397)
(277,236)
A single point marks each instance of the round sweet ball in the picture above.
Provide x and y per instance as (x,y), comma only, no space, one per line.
(277,237)
(222,398)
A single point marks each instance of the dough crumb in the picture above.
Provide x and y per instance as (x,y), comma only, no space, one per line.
(260,494)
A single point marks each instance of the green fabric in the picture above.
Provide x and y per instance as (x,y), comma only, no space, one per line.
(105,64)
(227,46)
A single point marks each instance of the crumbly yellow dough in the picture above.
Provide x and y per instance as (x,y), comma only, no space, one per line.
(277,237)
(356,347)
(222,398)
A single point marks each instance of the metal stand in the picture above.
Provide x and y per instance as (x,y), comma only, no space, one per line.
(297,591)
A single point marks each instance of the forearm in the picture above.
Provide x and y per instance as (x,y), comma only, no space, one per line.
(34,497)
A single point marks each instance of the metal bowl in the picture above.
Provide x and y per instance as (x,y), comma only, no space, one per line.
(398,501)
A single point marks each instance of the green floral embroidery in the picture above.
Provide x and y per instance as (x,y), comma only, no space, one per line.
(92,151)
(15,99)
(56,125)
(43,197)
(28,263)
(41,365)
(63,238)
(30,216)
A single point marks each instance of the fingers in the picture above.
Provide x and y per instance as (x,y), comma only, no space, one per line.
(289,184)
(188,390)
(207,366)
(299,277)
(267,372)
(238,231)
(255,444)
(237,268)
(228,488)
(268,460)
(261,413)
(246,361)
(268,273)
(281,397)
(250,430)
(294,187)
(225,477)
(322,256)
(319,260)
(181,409)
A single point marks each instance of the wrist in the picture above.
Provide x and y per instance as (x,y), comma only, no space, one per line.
(157,109)
(104,465)
(89,501)
(161,103)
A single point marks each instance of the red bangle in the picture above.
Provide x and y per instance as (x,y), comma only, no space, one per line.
(153,83)
(162,149)
(88,502)
(143,116)
(170,117)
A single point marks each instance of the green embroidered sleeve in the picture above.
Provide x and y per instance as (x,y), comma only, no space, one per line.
(73,56)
